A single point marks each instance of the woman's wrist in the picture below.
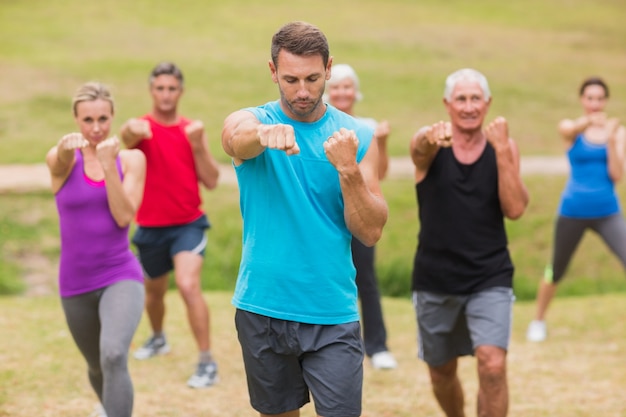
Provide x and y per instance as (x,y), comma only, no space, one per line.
(583,123)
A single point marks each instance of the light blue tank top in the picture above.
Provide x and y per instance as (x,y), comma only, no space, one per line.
(296,259)
(589,192)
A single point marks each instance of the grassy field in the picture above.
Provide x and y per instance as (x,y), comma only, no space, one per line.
(577,372)
(534,52)
(30,243)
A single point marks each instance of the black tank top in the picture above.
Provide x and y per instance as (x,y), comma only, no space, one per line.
(462,243)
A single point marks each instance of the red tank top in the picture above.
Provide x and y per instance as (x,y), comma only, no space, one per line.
(171,195)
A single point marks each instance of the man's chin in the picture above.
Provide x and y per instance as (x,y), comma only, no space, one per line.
(302,111)
(470,127)
(167,109)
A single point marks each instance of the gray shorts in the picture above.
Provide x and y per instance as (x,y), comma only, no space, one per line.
(284,360)
(157,246)
(450,325)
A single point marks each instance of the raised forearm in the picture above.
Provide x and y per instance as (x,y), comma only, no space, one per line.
(511,189)
(615,155)
(61,157)
(383,157)
(420,148)
(365,211)
(207,167)
(62,162)
(120,205)
(569,128)
(128,136)
(422,152)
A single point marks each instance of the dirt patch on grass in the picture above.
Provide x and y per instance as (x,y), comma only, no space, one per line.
(31,177)
(40,274)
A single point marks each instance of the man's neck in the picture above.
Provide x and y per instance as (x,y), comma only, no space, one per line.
(467,146)
(468,139)
(165,118)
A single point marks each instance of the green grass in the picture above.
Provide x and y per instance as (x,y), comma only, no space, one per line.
(535,54)
(28,223)
(575,373)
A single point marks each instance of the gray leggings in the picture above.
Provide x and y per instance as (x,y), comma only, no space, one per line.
(103,323)
(569,231)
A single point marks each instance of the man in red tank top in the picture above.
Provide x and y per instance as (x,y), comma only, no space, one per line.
(172,225)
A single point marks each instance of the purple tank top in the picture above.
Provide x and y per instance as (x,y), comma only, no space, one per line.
(95,251)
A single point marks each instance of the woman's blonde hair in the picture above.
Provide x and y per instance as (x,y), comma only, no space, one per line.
(92,91)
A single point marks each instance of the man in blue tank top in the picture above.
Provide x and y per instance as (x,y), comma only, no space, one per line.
(308,182)
(467,181)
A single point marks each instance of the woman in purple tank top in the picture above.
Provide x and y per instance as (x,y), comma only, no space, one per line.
(595,148)
(98,188)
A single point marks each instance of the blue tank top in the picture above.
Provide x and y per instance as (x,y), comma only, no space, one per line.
(589,191)
(95,251)
(296,261)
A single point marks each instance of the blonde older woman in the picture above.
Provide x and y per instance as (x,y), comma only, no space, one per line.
(342,92)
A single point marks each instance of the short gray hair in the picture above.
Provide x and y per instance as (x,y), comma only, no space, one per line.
(466,74)
(340,72)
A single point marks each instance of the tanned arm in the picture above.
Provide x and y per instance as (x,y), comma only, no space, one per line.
(365,209)
(511,189)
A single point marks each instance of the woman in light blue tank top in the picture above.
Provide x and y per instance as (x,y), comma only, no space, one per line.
(595,146)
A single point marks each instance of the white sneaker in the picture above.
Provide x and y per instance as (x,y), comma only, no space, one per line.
(383,360)
(153,346)
(98,411)
(537,331)
(205,376)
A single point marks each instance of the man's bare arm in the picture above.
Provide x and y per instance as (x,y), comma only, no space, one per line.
(511,189)
(426,143)
(244,137)
(134,131)
(207,167)
(365,209)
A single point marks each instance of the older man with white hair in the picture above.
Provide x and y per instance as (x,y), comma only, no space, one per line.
(467,182)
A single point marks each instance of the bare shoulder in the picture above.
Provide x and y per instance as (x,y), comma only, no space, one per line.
(133,158)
